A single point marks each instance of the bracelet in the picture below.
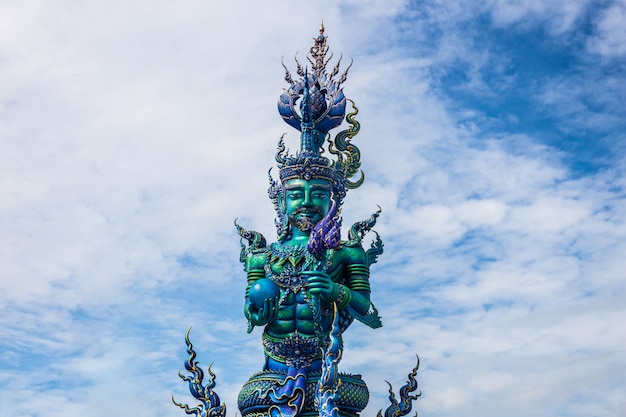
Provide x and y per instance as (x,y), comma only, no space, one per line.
(335,292)
(345,296)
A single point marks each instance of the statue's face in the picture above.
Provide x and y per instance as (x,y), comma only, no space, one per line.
(306,201)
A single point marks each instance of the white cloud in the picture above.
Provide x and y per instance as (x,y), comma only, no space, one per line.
(610,37)
(559,17)
(134,134)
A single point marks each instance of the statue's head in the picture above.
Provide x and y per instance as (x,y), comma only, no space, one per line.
(312,187)
(308,197)
(307,202)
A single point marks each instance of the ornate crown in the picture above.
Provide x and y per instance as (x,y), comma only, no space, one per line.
(315,104)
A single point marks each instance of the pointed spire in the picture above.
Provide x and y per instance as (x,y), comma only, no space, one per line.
(314,103)
(318,51)
(305,104)
(307,136)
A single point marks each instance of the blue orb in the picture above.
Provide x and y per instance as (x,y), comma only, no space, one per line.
(261,290)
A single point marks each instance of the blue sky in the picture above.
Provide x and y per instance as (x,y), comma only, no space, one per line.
(132,134)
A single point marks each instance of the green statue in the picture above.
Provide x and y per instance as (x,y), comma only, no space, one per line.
(306,288)
(295,284)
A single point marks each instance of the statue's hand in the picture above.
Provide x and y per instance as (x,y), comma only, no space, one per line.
(320,284)
(265,314)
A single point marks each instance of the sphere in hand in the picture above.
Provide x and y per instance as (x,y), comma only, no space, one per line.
(261,290)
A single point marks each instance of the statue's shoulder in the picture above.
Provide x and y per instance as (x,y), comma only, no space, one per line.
(257,260)
(349,254)
(273,253)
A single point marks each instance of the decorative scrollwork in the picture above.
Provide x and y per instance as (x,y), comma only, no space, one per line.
(209,401)
(375,250)
(282,154)
(328,386)
(287,73)
(348,155)
(403,407)
(358,229)
(255,242)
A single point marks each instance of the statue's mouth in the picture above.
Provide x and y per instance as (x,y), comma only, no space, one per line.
(308,212)
(305,218)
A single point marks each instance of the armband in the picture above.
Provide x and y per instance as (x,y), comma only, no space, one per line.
(253,276)
(358,269)
(362,285)
(358,277)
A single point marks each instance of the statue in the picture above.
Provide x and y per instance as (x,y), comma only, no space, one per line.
(306,288)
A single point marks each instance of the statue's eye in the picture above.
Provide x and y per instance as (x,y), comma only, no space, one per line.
(320,193)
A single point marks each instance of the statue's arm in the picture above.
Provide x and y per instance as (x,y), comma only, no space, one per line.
(356,280)
(353,290)
(266,312)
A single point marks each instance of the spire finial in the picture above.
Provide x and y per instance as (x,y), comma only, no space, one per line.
(317,53)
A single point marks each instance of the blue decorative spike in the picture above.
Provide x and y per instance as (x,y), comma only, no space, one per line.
(404,406)
(209,401)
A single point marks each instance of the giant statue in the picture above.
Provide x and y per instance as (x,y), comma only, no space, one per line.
(308,287)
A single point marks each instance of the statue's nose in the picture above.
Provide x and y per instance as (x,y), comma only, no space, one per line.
(307,199)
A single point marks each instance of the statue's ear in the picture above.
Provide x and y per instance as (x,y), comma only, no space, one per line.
(282,206)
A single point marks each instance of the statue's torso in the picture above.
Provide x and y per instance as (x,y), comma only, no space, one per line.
(303,323)
(300,312)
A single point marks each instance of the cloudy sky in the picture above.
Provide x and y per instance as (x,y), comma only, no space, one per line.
(133,133)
